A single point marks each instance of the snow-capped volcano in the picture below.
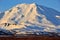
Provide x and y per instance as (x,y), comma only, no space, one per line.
(30,17)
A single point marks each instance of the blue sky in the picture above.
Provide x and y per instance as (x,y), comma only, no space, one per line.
(7,4)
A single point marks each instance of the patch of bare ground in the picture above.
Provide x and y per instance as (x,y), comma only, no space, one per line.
(30,38)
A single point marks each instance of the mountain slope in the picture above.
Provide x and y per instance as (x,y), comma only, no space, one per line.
(31,17)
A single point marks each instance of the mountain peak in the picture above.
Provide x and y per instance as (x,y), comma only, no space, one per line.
(25,4)
(26,15)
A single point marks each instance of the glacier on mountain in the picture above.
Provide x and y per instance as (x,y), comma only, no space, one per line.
(30,17)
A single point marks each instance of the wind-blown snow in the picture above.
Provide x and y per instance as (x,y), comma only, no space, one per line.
(30,17)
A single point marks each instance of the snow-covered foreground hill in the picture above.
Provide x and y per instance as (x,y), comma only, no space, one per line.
(24,18)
